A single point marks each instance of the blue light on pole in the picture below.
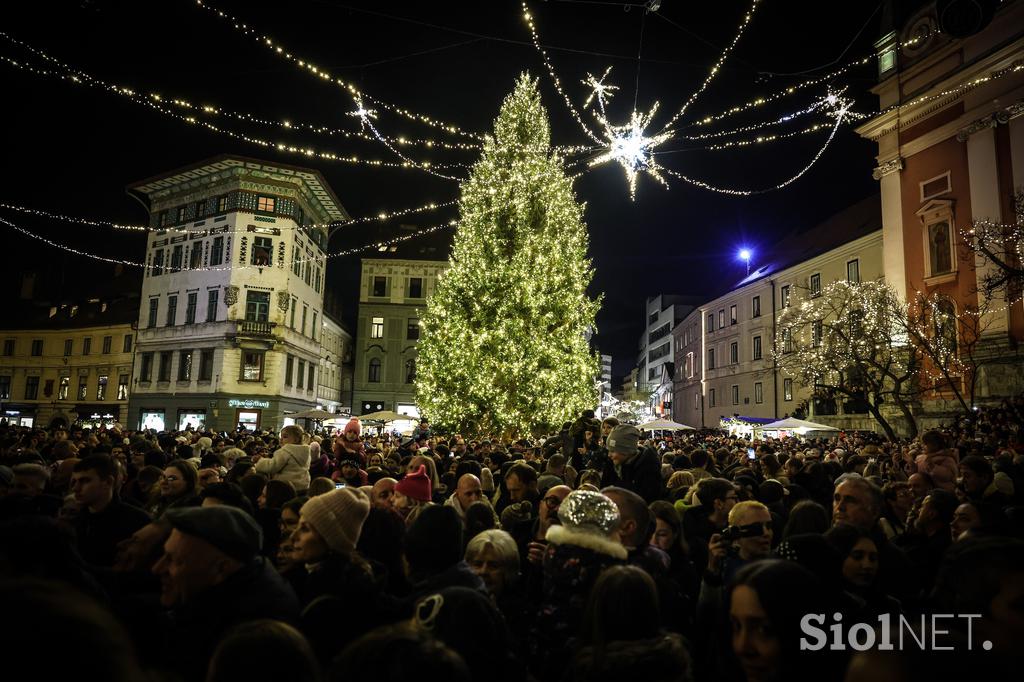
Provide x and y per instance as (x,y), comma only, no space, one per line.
(745,255)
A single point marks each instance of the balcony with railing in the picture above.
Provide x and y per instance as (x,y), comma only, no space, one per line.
(252,328)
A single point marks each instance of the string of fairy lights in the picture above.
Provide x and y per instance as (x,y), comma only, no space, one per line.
(629,144)
(281,51)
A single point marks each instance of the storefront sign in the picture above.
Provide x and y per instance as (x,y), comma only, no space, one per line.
(249,403)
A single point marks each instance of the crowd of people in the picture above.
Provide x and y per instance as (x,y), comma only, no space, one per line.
(592,554)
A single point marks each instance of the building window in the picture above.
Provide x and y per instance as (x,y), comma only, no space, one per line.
(262,248)
(787,340)
(8,347)
(265,203)
(373,371)
(217,251)
(190,307)
(206,364)
(212,299)
(758,393)
(252,365)
(377,328)
(126,346)
(185,365)
(940,248)
(787,389)
(158,263)
(784,295)
(31,388)
(734,352)
(690,369)
(410,371)
(195,256)
(146,369)
(83,387)
(164,370)
(652,318)
(415,287)
(154,304)
(312,327)
(721,318)
(175,259)
(291,315)
(257,306)
(289,369)
(757,347)
(653,373)
(735,394)
(755,306)
(68,344)
(181,214)
(380,286)
(302,375)
(101,388)
(305,312)
(310,385)
(815,285)
(87,345)
(711,358)
(732,314)
(107,340)
(711,322)
(64,389)
(37,347)
(222,203)
(696,401)
(122,387)
(853,271)
(816,333)
(172,310)
(412,329)
(711,397)
(200,209)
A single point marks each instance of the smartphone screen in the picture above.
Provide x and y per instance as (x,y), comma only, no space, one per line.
(339,485)
(750,453)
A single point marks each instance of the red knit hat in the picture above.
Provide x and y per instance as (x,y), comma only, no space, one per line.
(353,425)
(416,485)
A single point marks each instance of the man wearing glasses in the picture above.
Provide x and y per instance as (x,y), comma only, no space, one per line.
(533,540)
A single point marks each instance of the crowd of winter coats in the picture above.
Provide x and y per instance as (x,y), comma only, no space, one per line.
(592,554)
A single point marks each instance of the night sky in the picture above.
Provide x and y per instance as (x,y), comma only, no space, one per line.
(72,150)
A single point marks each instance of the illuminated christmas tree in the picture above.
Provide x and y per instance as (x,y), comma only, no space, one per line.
(505,348)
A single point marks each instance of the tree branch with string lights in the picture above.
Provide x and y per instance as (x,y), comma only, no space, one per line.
(850,340)
(999,251)
(504,347)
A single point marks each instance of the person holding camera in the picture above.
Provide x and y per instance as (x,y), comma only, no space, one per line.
(747,538)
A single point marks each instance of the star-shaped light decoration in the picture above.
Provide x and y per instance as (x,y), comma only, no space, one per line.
(631,149)
(363,114)
(598,89)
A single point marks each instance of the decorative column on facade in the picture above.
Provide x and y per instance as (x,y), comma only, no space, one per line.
(893,261)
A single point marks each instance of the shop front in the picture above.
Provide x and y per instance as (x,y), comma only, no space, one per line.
(20,415)
(95,416)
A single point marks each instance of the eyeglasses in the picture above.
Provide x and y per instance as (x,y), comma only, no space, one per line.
(552,502)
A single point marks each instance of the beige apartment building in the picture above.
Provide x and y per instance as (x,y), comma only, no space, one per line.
(724,348)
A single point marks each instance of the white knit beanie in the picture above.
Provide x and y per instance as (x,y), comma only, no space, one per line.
(338,517)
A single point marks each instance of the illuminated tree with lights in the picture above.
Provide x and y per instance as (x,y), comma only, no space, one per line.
(851,341)
(504,348)
(999,251)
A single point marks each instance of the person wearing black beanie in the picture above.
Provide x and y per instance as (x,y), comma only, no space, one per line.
(433,553)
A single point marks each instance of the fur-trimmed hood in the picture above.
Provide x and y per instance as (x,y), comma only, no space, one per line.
(563,535)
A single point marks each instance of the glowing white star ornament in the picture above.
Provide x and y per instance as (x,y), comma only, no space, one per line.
(599,89)
(363,114)
(631,149)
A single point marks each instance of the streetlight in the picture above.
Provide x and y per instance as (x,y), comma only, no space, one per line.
(745,255)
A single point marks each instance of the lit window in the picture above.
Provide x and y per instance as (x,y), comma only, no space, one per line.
(853,271)
(815,284)
(377,328)
(252,365)
(264,203)
(787,389)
